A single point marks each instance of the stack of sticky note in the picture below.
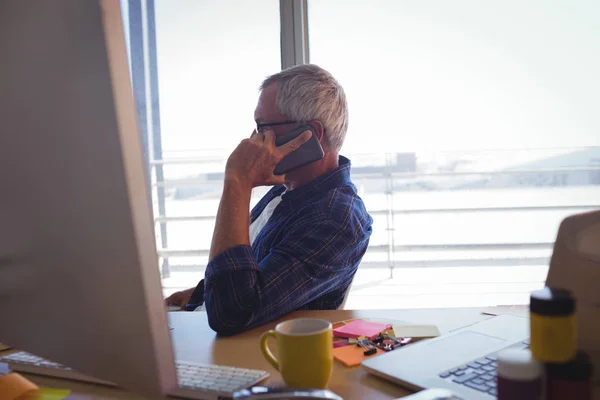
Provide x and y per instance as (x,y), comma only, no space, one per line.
(350,354)
(360,328)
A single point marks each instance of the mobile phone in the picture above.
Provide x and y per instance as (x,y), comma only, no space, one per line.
(284,393)
(434,394)
(309,152)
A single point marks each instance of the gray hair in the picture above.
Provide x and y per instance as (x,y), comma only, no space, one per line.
(307,92)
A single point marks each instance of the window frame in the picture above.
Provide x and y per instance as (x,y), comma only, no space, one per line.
(141,24)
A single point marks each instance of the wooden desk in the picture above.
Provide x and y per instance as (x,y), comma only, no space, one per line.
(195,341)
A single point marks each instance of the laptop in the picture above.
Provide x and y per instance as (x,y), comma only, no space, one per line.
(464,361)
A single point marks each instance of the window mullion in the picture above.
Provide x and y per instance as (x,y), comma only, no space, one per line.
(294,32)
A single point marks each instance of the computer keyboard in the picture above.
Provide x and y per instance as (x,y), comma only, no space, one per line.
(196,381)
(479,374)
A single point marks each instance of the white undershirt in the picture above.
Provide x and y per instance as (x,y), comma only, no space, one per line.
(257,226)
(259,223)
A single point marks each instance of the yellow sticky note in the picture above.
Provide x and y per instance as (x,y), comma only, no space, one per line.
(416,331)
(352,356)
(46,394)
(14,385)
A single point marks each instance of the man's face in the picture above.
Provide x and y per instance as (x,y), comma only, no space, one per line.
(266,115)
(268,118)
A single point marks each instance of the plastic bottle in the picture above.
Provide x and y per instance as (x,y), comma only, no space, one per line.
(571,380)
(553,325)
(519,375)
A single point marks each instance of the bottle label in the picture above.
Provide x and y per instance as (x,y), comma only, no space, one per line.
(553,339)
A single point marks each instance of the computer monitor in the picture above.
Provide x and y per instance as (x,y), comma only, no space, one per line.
(78,262)
(575,266)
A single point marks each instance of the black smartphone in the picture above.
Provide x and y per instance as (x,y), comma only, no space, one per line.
(284,393)
(309,152)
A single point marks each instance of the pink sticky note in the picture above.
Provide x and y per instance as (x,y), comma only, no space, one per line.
(360,328)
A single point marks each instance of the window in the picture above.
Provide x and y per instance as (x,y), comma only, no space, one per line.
(473,129)
(196,69)
(474,132)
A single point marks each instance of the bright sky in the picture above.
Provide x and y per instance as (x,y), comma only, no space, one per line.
(419,74)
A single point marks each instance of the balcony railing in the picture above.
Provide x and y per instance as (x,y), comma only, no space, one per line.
(408,198)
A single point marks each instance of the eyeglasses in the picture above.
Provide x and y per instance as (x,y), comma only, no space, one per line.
(262,128)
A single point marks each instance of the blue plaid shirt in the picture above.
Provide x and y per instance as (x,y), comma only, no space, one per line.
(303,259)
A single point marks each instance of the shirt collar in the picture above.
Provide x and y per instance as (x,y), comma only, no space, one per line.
(330,180)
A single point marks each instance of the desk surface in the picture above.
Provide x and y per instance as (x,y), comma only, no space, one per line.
(195,341)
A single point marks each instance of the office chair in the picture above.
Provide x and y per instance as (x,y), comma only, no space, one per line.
(343,305)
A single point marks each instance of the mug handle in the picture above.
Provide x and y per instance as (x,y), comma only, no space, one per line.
(264,347)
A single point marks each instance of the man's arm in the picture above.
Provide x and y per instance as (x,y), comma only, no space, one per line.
(250,165)
(233,218)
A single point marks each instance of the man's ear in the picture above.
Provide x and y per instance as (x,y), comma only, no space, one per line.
(319,129)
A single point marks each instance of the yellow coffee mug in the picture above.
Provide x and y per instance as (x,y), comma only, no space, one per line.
(304,352)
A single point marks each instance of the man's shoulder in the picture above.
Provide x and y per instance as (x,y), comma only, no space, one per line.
(341,204)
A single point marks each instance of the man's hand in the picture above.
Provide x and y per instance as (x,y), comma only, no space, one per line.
(180,299)
(253,162)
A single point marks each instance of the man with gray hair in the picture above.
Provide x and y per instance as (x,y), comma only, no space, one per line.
(302,243)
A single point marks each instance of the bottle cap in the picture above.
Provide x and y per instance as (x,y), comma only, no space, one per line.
(518,365)
(578,369)
(553,302)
